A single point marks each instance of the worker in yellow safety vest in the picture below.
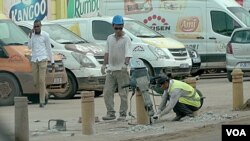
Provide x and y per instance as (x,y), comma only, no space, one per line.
(179,96)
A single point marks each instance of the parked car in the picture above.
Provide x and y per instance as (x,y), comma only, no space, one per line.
(81,58)
(15,69)
(160,54)
(238,52)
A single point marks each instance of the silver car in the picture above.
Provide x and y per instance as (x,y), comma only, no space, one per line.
(238,52)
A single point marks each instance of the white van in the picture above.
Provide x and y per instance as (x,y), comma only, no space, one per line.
(160,54)
(205,25)
(82,67)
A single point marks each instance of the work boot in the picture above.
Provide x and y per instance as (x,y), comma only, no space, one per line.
(121,118)
(109,117)
(46,100)
(178,117)
(190,115)
(41,105)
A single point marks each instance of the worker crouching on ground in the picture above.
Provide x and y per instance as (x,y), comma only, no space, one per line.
(181,97)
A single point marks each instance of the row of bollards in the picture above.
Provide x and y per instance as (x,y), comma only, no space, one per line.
(88,115)
(237,81)
(22,119)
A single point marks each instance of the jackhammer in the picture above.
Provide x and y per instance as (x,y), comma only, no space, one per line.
(139,81)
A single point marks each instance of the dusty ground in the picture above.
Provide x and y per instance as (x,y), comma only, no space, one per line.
(217,110)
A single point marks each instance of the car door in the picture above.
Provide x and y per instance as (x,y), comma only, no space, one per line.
(219,29)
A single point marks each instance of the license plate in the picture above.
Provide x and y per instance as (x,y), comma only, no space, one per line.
(57,80)
(184,65)
(244,65)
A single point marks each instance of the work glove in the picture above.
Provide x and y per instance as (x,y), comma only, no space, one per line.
(155,118)
(103,68)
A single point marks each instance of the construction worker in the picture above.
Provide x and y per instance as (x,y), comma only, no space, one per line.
(116,59)
(181,97)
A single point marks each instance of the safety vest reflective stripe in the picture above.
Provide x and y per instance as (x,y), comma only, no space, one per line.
(192,97)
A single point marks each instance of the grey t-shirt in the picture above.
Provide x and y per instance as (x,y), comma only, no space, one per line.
(118,50)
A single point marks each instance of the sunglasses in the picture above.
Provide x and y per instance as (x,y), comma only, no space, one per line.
(36,26)
(118,28)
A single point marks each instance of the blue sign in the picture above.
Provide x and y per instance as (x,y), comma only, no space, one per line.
(36,9)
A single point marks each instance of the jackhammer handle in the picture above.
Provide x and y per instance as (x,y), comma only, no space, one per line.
(153,79)
(125,86)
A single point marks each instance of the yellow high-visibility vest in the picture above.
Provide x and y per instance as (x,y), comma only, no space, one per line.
(192,98)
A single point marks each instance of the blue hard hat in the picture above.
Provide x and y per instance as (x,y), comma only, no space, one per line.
(117,20)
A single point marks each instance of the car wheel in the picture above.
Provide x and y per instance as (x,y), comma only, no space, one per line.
(150,69)
(229,76)
(9,89)
(70,88)
(210,71)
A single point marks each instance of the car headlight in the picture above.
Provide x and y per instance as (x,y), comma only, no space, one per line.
(83,60)
(192,53)
(159,52)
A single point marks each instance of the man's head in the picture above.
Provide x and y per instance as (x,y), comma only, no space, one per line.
(163,82)
(118,24)
(37,26)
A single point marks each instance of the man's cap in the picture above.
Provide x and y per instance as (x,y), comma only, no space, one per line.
(162,80)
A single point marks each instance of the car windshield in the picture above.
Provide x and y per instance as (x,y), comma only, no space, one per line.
(242,14)
(11,34)
(140,30)
(62,35)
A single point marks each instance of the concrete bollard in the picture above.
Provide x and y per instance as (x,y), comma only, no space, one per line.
(237,79)
(191,81)
(141,114)
(21,119)
(88,112)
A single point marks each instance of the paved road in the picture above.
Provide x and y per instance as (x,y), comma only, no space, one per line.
(210,133)
(217,108)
